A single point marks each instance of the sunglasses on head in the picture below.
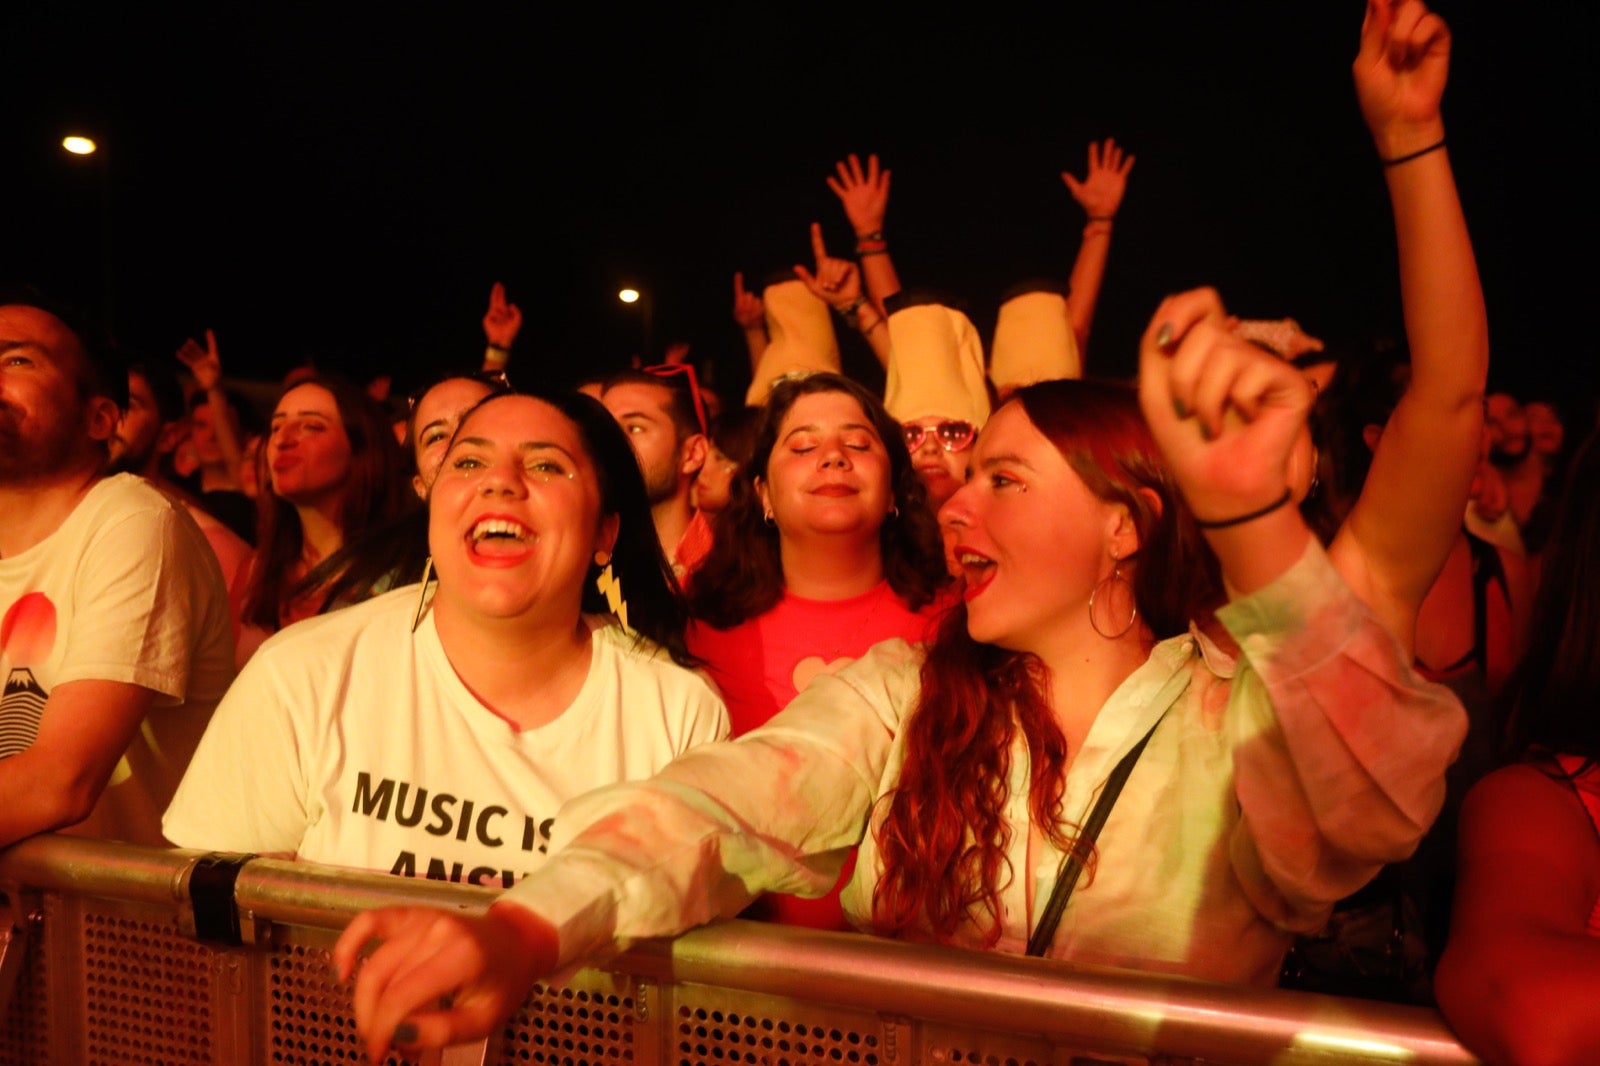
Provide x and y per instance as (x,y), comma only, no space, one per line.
(952,436)
(667,370)
(495,379)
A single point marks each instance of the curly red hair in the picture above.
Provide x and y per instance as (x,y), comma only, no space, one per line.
(943,838)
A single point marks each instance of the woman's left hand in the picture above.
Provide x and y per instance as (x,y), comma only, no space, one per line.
(1225,412)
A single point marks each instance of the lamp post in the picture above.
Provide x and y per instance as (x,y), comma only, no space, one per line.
(632,296)
(86,148)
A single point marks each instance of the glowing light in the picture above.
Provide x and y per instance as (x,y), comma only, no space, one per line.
(628,296)
(1349,1045)
(79,145)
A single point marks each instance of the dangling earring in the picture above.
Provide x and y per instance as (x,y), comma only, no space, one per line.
(610,587)
(1116,577)
(422,593)
(894,511)
(766,516)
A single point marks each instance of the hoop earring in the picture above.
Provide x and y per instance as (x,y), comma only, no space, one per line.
(422,593)
(894,511)
(610,587)
(1133,616)
(766,516)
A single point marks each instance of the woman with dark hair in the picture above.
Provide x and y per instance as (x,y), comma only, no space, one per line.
(1258,791)
(332,470)
(1518,978)
(435,730)
(825,549)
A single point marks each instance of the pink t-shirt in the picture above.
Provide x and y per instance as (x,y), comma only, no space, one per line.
(764,662)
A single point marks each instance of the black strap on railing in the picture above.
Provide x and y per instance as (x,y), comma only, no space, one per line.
(211,882)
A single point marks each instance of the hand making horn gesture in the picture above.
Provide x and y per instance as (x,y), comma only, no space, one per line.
(837,282)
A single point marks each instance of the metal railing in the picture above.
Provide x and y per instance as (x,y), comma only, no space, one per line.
(107,961)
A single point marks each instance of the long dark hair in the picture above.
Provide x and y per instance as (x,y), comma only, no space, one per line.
(742,575)
(655,603)
(1553,698)
(375,492)
(944,837)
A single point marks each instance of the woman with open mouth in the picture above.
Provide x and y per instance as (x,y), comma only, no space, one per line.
(437,729)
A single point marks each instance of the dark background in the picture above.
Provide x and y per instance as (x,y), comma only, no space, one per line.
(345,183)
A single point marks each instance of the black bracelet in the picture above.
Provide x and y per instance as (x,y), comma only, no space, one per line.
(864,252)
(875,235)
(1414,155)
(1102,218)
(1288,495)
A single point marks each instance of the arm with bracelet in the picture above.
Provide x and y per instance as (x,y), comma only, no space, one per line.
(1100,195)
(837,283)
(864,194)
(1401,527)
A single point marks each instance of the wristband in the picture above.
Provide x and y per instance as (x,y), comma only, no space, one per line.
(1419,153)
(864,252)
(1251,516)
(875,235)
(1102,218)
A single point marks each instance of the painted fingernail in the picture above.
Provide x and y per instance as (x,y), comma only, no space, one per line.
(1164,335)
(405,1033)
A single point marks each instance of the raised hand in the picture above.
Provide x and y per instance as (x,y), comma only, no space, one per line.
(485,965)
(864,193)
(1400,73)
(747,308)
(837,282)
(203,363)
(1104,183)
(1225,413)
(503,321)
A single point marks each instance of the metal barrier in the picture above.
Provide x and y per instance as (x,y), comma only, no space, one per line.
(102,965)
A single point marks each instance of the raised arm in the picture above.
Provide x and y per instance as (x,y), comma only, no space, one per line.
(1339,747)
(1402,525)
(1100,195)
(206,366)
(864,195)
(837,283)
(501,324)
(751,316)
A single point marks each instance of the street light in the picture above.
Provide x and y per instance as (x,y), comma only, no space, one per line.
(633,296)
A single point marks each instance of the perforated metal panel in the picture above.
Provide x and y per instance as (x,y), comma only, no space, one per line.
(592,1020)
(147,992)
(25,1036)
(309,1016)
(714,1027)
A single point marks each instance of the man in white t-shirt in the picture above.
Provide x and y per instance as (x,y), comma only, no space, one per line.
(114,634)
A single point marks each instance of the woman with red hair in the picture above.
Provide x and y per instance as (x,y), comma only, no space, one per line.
(1257,791)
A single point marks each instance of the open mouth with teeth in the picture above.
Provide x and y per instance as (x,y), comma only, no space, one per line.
(976,569)
(499,541)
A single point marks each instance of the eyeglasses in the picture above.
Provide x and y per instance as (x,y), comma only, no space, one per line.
(495,379)
(667,370)
(952,436)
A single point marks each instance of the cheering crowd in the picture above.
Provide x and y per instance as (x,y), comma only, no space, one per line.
(1201,674)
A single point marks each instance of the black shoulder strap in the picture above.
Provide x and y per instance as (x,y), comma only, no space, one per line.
(1072,865)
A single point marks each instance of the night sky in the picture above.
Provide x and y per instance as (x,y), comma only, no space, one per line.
(312,180)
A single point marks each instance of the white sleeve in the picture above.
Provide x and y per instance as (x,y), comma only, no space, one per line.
(245,789)
(1340,747)
(776,810)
